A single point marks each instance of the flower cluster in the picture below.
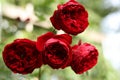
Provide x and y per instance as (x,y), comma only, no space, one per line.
(24,55)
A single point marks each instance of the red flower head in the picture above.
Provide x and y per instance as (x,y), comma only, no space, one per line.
(56,49)
(21,56)
(71,17)
(84,57)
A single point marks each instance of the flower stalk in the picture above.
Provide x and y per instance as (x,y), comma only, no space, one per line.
(39,74)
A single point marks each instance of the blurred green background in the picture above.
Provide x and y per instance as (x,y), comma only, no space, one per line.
(30,18)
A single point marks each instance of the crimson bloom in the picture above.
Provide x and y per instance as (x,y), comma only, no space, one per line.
(84,57)
(21,56)
(56,49)
(71,17)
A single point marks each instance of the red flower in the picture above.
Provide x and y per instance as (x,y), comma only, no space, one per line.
(56,49)
(21,56)
(84,57)
(71,17)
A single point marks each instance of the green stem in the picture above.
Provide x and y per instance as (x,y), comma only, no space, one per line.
(39,74)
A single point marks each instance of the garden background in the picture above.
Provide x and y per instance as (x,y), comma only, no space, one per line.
(30,18)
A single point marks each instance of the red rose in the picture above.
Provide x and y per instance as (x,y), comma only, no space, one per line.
(71,17)
(84,57)
(21,56)
(56,49)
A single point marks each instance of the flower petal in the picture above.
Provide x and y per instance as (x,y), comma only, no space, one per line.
(53,19)
(64,37)
(42,39)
